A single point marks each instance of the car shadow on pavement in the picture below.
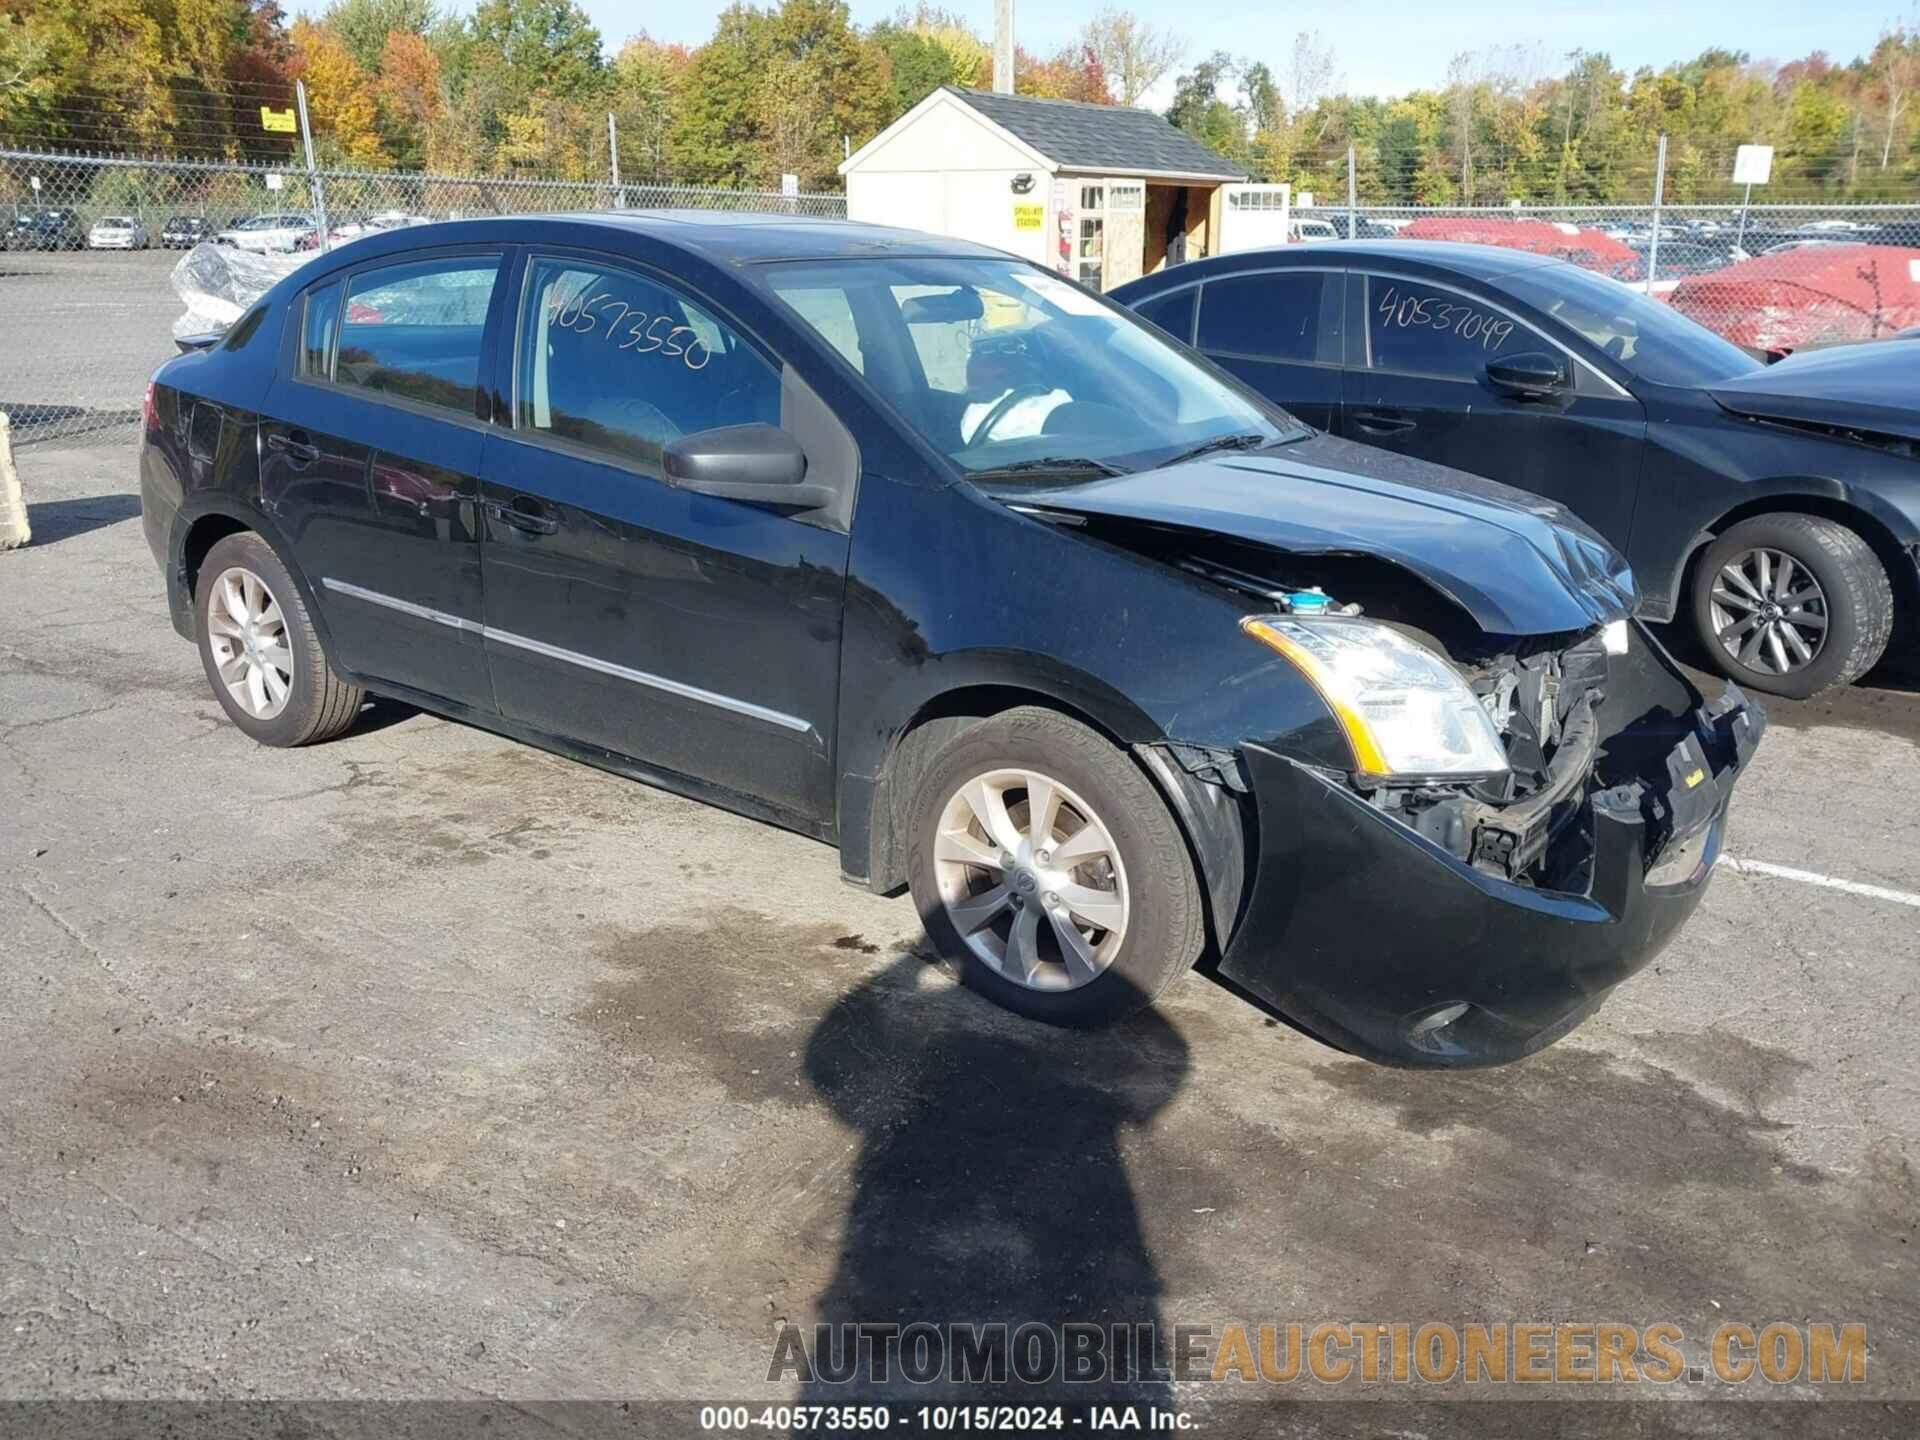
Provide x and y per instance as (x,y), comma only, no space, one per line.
(991,1190)
(56,520)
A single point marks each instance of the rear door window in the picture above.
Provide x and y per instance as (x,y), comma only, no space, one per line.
(1275,315)
(414,331)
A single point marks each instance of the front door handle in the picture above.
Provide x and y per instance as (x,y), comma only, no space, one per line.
(1376,422)
(295,445)
(526,513)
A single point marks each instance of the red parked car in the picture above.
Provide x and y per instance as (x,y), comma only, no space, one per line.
(1809,296)
(1589,249)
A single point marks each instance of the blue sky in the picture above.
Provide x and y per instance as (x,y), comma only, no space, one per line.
(1383,46)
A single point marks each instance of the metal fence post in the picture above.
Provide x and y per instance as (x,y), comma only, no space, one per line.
(1353,209)
(313,170)
(1659,193)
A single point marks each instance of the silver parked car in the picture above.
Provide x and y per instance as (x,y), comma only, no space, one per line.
(277,234)
(117,232)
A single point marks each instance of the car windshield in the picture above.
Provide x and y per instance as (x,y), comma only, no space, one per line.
(1652,340)
(1006,368)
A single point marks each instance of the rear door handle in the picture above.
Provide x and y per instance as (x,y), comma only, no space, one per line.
(295,446)
(526,513)
(1376,422)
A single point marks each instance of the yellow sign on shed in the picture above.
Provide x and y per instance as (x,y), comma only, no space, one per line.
(1029,217)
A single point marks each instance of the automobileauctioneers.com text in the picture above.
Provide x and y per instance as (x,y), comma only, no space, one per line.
(1326,1353)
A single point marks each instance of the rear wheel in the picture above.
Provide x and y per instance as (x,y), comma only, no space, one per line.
(1792,604)
(261,652)
(1045,864)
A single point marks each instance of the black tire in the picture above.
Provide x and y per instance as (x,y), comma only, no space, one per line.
(319,704)
(1165,929)
(1858,598)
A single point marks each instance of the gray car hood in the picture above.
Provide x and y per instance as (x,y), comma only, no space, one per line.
(1875,386)
(1518,564)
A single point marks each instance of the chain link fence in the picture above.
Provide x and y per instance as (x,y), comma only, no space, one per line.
(1773,278)
(87,245)
(86,307)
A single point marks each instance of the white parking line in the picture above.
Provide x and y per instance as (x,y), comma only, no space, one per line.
(1830,882)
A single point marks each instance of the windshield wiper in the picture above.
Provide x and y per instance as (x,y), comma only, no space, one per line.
(1240,440)
(1051,465)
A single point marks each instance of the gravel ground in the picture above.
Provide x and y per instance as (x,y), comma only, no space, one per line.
(423,1064)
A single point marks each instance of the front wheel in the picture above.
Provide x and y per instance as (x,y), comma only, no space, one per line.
(1792,604)
(261,652)
(1045,864)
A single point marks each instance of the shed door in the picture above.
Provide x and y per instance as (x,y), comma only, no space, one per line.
(1126,232)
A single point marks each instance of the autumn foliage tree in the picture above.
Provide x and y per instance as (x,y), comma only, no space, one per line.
(786,86)
(340,96)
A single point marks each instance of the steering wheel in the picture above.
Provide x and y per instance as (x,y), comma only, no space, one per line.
(999,412)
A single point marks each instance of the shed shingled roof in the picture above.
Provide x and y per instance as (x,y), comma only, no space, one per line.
(1113,138)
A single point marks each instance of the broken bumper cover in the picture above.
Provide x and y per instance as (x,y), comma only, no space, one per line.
(1381,942)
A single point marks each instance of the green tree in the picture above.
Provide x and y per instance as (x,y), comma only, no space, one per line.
(545,45)
(715,131)
(363,26)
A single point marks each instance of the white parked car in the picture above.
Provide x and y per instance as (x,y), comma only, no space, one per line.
(117,232)
(269,234)
(1311,232)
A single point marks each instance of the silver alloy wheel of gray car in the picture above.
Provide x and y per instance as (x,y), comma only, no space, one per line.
(248,636)
(1769,611)
(1031,879)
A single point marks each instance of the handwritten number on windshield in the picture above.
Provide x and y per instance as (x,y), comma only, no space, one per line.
(1426,312)
(629,329)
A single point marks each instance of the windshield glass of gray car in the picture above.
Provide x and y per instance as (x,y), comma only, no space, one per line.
(1001,364)
(1651,339)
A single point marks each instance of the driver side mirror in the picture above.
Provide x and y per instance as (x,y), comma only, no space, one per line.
(759,464)
(1531,375)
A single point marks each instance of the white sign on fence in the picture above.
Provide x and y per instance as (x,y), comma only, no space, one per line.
(1752,164)
(789,185)
(274,182)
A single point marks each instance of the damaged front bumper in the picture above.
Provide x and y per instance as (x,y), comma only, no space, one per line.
(1380,941)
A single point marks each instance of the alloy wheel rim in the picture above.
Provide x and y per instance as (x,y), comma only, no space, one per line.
(1769,612)
(248,636)
(1032,880)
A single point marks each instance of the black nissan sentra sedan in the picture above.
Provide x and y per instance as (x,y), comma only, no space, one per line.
(1777,510)
(918,549)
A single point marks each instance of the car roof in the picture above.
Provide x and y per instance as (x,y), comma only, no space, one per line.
(720,236)
(1480,262)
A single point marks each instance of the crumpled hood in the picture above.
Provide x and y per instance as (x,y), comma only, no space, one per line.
(1517,563)
(1875,386)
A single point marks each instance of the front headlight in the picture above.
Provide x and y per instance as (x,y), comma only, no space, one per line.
(1406,713)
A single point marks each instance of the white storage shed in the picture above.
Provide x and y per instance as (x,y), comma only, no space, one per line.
(1100,193)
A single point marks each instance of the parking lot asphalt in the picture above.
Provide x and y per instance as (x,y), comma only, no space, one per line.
(426,1064)
(80,332)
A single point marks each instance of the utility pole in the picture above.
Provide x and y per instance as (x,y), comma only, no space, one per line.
(313,170)
(1003,47)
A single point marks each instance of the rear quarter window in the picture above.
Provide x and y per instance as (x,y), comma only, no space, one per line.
(1172,313)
